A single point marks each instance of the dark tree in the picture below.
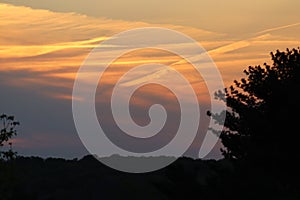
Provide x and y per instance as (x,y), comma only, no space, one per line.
(7,131)
(263,111)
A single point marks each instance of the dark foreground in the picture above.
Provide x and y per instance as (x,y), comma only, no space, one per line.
(50,179)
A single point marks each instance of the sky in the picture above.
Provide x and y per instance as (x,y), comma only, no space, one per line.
(43,44)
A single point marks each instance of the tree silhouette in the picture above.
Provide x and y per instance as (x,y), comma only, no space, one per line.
(7,131)
(263,111)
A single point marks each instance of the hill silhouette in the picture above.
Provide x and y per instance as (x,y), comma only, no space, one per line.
(86,178)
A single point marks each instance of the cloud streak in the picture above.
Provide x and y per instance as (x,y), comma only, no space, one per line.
(279,28)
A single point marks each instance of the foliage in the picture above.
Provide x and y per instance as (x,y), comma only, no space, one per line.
(7,131)
(262,116)
(186,178)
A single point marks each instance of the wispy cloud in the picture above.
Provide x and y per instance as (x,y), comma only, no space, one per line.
(36,50)
(279,28)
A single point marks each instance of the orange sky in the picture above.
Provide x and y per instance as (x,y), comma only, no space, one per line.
(44,49)
(45,40)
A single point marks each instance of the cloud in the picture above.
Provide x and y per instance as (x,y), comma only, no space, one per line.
(42,40)
(232,16)
(41,51)
(16,51)
(279,28)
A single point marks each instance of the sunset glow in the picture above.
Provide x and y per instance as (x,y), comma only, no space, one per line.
(41,51)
